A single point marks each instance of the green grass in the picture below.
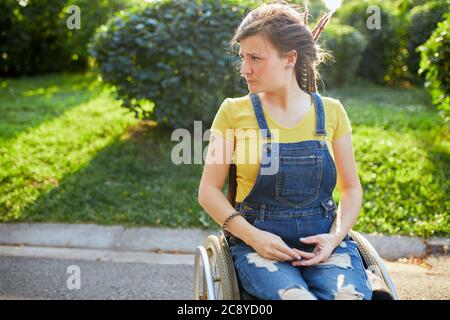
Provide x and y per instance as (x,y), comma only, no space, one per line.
(70,153)
(402,151)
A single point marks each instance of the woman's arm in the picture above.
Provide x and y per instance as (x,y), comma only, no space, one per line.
(211,198)
(350,189)
(210,195)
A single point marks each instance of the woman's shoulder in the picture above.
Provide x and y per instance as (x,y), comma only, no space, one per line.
(237,106)
(330,102)
(332,105)
(336,116)
(240,101)
(233,111)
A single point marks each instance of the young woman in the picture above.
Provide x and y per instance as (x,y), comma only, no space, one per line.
(287,238)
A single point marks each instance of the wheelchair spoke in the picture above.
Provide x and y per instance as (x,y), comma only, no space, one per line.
(217,270)
(216,280)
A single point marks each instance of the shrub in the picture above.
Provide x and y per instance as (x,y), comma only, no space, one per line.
(30,40)
(422,21)
(346,44)
(34,37)
(435,64)
(93,15)
(172,54)
(382,47)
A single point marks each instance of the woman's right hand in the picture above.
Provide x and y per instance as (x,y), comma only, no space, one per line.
(272,247)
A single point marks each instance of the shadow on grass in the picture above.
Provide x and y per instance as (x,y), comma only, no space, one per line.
(27,102)
(131,182)
(438,202)
(409,195)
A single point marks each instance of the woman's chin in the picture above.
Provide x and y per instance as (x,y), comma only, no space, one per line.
(252,87)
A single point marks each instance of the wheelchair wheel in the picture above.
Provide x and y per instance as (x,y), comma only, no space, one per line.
(373,261)
(219,278)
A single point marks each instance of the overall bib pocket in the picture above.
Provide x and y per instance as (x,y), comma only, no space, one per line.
(299,179)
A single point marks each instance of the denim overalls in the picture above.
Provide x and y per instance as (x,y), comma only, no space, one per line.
(294,202)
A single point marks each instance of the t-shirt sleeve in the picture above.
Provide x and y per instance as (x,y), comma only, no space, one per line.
(343,125)
(223,122)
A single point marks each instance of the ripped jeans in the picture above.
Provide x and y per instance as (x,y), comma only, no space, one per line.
(341,277)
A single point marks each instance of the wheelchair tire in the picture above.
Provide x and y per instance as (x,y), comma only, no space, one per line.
(373,263)
(222,268)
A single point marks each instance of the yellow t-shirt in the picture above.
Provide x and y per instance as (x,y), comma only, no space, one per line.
(236,121)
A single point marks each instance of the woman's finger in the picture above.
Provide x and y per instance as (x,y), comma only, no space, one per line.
(280,256)
(310,262)
(304,254)
(311,239)
(283,247)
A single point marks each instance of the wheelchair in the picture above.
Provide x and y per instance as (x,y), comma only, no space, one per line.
(215,277)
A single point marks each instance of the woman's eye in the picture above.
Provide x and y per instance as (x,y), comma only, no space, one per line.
(253,58)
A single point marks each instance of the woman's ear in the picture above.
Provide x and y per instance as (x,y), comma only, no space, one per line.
(291,59)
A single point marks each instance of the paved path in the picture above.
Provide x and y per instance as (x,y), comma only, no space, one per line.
(418,281)
(42,278)
(26,275)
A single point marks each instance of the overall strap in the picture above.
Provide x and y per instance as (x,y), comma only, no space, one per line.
(320,115)
(259,112)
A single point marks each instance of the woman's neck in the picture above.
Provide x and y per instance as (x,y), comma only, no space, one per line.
(286,98)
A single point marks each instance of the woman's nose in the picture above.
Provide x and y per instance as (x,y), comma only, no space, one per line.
(245,69)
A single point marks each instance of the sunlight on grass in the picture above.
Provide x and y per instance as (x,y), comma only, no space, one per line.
(41,91)
(24,107)
(36,160)
(403,183)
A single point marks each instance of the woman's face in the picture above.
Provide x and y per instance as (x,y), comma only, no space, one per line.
(261,67)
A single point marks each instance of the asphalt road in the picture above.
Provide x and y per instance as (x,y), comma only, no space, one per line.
(42,278)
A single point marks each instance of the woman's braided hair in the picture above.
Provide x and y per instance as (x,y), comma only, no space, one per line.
(287,29)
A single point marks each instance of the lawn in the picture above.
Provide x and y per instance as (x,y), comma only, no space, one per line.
(402,150)
(70,153)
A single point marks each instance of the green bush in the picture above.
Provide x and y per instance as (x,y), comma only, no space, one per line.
(404,6)
(30,39)
(435,64)
(382,47)
(169,61)
(346,44)
(93,14)
(34,37)
(422,21)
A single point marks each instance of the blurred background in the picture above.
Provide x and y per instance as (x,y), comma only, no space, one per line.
(90,92)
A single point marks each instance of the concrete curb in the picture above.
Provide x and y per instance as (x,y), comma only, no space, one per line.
(165,240)
(102,237)
(99,255)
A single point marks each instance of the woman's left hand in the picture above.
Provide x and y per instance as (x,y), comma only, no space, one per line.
(325,244)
